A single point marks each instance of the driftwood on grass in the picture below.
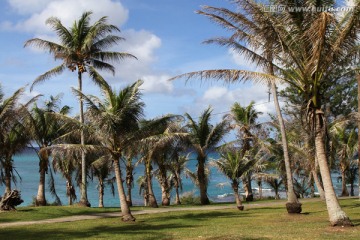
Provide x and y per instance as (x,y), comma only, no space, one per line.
(10,200)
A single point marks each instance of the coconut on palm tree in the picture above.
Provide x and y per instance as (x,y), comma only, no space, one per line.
(203,138)
(81,48)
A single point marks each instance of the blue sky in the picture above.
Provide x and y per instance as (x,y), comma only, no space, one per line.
(165,35)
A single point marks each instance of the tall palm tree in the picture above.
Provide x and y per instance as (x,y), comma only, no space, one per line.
(44,129)
(244,120)
(115,121)
(204,137)
(83,48)
(303,49)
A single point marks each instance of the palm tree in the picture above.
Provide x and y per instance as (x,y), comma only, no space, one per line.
(303,49)
(177,166)
(14,136)
(344,147)
(156,145)
(101,168)
(234,164)
(115,121)
(256,36)
(83,48)
(204,137)
(275,183)
(244,119)
(45,128)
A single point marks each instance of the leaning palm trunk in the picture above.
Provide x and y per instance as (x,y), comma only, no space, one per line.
(44,161)
(83,191)
(318,184)
(292,205)
(204,200)
(336,214)
(125,210)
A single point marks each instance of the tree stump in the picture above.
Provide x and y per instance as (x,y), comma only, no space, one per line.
(10,200)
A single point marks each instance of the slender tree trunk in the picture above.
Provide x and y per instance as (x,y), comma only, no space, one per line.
(204,200)
(101,193)
(40,198)
(235,187)
(128,195)
(165,196)
(177,196)
(344,191)
(151,197)
(125,209)
(83,186)
(260,189)
(165,191)
(43,165)
(292,198)
(352,189)
(337,216)
(318,184)
(8,168)
(129,182)
(358,98)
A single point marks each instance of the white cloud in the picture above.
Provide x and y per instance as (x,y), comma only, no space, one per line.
(157,84)
(67,11)
(28,6)
(143,45)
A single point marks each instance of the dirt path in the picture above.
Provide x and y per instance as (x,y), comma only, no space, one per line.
(147,211)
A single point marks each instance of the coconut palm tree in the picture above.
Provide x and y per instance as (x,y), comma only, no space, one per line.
(204,137)
(303,49)
(244,120)
(234,164)
(44,129)
(177,167)
(157,147)
(14,135)
(115,121)
(344,147)
(81,47)
(101,168)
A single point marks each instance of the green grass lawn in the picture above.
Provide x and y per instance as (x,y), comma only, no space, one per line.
(258,223)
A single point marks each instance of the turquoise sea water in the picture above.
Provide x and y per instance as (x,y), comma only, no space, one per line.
(26,165)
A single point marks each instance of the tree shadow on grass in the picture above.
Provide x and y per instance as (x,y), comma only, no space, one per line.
(122,231)
(199,216)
